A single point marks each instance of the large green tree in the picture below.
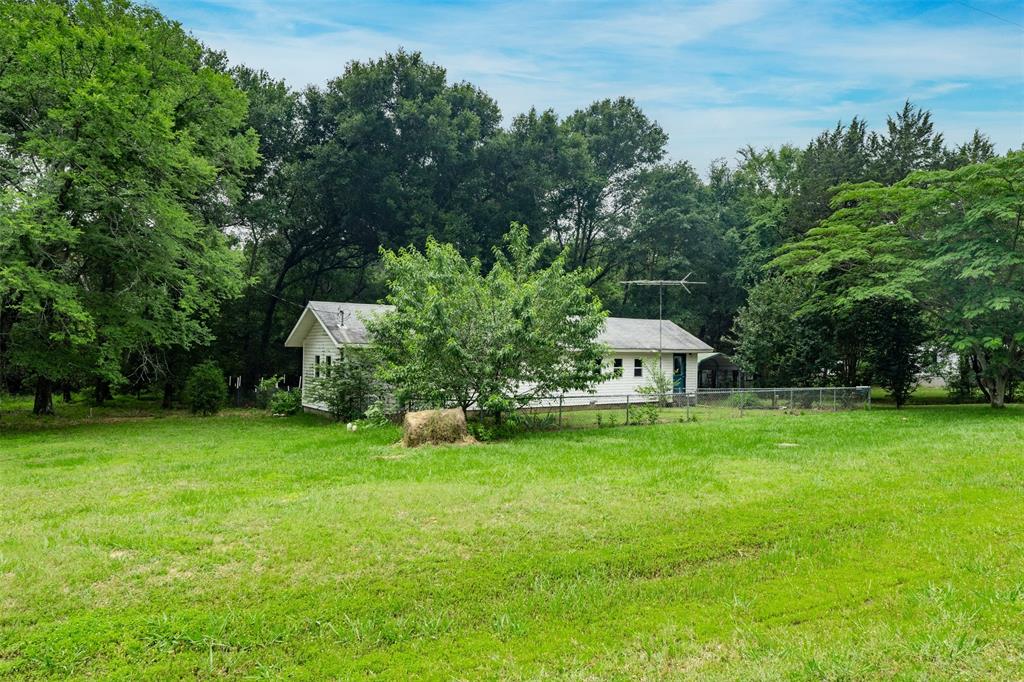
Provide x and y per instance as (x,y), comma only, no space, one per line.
(788,192)
(457,336)
(950,241)
(678,229)
(781,338)
(122,140)
(386,154)
(617,144)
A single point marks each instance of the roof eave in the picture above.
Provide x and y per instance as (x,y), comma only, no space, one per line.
(655,350)
(294,340)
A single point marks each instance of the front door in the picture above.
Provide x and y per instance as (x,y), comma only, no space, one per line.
(678,373)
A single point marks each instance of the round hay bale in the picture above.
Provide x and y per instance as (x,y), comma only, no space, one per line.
(434,426)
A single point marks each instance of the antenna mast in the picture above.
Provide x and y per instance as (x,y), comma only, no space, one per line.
(685,283)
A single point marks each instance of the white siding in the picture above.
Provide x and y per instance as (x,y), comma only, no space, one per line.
(692,372)
(317,343)
(627,383)
(616,389)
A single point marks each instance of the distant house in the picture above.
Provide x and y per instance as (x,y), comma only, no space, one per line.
(325,328)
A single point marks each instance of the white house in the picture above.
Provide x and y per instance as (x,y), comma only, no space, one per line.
(325,328)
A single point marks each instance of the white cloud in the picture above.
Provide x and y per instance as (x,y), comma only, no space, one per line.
(717,75)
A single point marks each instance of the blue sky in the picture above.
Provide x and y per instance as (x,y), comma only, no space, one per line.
(716,74)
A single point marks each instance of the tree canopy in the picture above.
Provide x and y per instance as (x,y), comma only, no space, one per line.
(951,241)
(457,336)
(122,140)
(158,208)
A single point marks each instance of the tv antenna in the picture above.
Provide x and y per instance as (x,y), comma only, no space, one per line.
(685,283)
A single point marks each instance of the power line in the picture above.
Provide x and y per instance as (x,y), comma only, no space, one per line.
(985,11)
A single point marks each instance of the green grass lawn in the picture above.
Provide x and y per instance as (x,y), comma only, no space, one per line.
(854,545)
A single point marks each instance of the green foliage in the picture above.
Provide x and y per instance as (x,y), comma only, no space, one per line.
(483,432)
(779,340)
(645,412)
(121,140)
(205,390)
(385,154)
(378,414)
(947,241)
(456,336)
(348,387)
(285,402)
(895,336)
(658,385)
(619,142)
(678,225)
(266,389)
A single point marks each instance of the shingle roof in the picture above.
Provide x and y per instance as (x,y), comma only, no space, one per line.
(344,322)
(627,333)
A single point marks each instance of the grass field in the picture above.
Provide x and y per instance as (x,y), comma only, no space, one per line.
(854,546)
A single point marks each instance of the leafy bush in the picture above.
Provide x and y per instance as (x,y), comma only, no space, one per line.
(286,402)
(377,414)
(644,413)
(348,387)
(482,432)
(658,392)
(205,391)
(265,392)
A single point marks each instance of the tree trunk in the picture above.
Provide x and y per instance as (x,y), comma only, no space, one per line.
(999,391)
(66,392)
(977,369)
(44,397)
(101,392)
(168,398)
(993,385)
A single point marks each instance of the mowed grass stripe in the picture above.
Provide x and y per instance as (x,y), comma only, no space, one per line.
(865,544)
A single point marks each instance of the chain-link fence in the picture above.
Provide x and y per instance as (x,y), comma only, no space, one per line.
(634,408)
(823,398)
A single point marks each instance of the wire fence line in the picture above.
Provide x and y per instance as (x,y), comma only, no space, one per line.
(639,408)
(822,398)
(645,407)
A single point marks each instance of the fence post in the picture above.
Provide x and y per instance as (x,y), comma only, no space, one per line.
(834,391)
(560,398)
(792,400)
(686,397)
(821,398)
(869,398)
(743,401)
(627,409)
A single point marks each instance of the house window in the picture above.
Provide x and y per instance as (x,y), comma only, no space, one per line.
(327,360)
(638,367)
(316,366)
(617,366)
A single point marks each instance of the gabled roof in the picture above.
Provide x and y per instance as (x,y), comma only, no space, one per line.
(628,333)
(344,323)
